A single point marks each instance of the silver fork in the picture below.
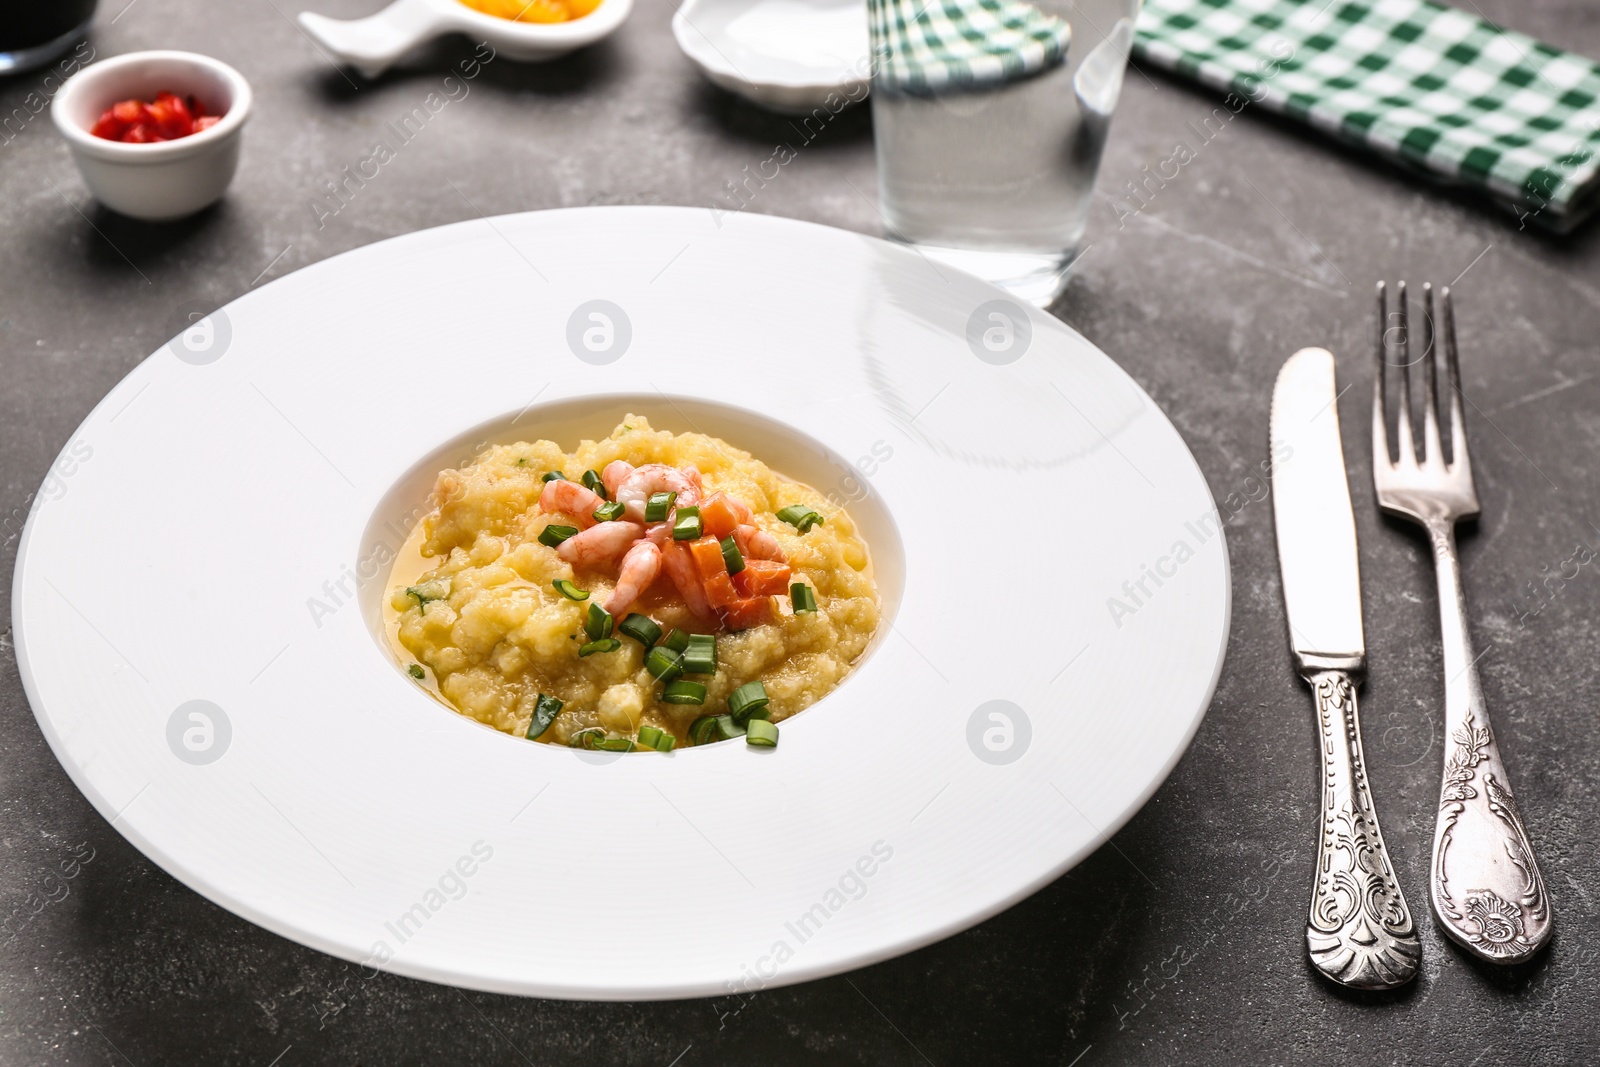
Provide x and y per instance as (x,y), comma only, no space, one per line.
(1485,884)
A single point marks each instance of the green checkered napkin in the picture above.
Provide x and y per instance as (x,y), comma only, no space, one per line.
(929,45)
(1429,86)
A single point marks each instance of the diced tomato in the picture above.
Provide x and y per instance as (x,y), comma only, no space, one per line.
(166,118)
(170,116)
(762,577)
(108,126)
(747,612)
(708,556)
(717,515)
(720,591)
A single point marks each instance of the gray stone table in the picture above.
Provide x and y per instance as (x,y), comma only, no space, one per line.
(1169,945)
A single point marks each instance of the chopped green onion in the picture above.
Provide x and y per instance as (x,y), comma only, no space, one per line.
(553,535)
(799,516)
(686,526)
(803,597)
(761,734)
(586,738)
(609,512)
(731,555)
(681,692)
(570,591)
(592,482)
(422,599)
(677,640)
(747,700)
(416,671)
(656,508)
(658,739)
(605,644)
(701,655)
(615,744)
(553,476)
(727,729)
(544,713)
(598,624)
(663,664)
(703,730)
(641,628)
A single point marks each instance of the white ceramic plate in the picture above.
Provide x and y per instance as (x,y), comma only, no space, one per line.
(790,56)
(204,536)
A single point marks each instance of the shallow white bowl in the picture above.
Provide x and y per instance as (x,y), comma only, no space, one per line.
(373,44)
(789,56)
(249,472)
(166,179)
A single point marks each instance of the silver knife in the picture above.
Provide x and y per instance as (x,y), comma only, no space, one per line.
(1359,933)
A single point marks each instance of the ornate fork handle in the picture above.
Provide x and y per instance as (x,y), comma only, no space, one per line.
(1359,932)
(1486,887)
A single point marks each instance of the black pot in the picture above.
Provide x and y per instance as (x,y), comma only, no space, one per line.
(34,32)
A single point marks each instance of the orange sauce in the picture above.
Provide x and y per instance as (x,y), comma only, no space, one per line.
(534,10)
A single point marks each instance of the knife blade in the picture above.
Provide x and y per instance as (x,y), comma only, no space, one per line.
(1359,932)
(1315,523)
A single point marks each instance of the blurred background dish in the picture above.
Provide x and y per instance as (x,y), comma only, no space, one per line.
(373,44)
(165,179)
(789,56)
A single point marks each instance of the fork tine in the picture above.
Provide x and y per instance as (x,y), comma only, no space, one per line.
(1460,460)
(1408,442)
(1380,394)
(1432,449)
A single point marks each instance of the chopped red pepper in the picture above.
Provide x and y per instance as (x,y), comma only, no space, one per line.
(762,577)
(720,591)
(166,118)
(747,612)
(718,517)
(708,556)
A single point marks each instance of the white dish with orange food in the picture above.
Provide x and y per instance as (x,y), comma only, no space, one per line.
(1018,566)
(532,31)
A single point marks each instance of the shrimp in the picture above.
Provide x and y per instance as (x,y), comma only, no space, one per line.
(685,578)
(600,544)
(615,474)
(636,488)
(570,498)
(693,474)
(741,510)
(756,543)
(639,569)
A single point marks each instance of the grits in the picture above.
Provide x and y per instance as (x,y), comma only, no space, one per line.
(474,600)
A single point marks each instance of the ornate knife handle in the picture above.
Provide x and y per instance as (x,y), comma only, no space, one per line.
(1360,932)
(1486,887)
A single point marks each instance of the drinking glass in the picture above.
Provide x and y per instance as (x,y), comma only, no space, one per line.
(996,179)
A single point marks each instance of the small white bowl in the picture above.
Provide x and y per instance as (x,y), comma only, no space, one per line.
(371,45)
(789,56)
(164,179)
